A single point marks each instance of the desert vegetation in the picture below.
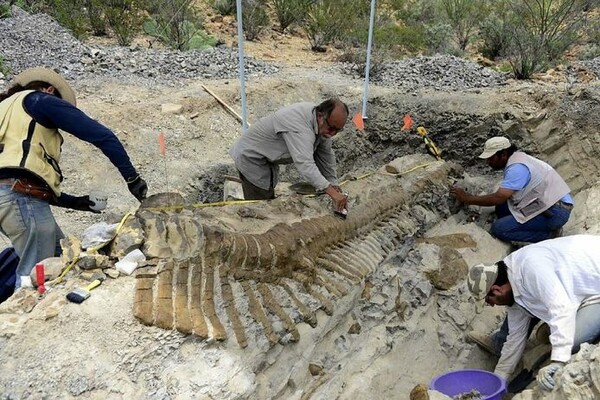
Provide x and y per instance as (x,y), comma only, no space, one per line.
(521,36)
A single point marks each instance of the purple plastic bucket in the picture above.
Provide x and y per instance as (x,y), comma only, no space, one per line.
(490,385)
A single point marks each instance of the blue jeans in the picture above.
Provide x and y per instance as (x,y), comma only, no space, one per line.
(29,224)
(506,227)
(587,328)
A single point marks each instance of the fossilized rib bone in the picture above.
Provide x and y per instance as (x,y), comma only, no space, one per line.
(212,282)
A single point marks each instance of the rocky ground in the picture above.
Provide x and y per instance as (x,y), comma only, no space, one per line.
(60,350)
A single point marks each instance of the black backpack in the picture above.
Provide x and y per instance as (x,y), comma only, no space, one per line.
(9,260)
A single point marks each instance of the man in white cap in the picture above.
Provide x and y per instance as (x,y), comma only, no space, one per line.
(38,104)
(532,202)
(557,281)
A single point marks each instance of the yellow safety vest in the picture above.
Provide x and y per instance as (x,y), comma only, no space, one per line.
(26,144)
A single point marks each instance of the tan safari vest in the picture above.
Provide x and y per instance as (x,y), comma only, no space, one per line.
(28,145)
(544,189)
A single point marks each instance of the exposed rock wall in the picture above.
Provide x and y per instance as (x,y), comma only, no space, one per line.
(565,133)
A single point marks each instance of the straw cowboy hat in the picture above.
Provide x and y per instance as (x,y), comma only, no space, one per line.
(48,76)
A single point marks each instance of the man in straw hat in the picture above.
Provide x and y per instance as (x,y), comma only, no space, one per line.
(532,202)
(557,281)
(32,110)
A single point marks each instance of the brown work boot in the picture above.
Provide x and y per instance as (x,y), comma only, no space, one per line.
(483,341)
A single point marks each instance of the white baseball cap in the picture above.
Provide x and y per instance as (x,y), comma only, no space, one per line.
(494,145)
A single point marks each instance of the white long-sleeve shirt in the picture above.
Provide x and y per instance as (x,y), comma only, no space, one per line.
(549,280)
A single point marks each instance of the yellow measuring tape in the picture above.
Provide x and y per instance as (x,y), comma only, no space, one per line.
(203,205)
(375,172)
(357,178)
(215,204)
(397,174)
(239,202)
(414,168)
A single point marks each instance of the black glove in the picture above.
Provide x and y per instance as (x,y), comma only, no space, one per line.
(138,187)
(81,203)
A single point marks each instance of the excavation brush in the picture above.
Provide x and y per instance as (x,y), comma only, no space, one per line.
(79,295)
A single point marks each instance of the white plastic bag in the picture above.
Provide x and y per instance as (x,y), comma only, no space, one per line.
(130,262)
(98,235)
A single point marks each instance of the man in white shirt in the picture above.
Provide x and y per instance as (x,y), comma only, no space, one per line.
(557,281)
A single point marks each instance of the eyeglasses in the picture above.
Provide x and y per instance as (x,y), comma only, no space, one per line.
(331,127)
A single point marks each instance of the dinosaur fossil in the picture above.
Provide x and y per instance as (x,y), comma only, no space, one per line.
(217,274)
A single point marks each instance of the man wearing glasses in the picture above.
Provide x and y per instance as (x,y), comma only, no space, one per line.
(301,134)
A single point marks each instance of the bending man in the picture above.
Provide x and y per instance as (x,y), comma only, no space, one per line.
(300,133)
(557,281)
(35,107)
(533,201)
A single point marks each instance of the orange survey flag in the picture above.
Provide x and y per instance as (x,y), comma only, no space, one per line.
(408,123)
(161,144)
(359,122)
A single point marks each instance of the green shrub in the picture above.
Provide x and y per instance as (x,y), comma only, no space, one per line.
(589,52)
(186,36)
(504,68)
(290,11)
(328,20)
(31,6)
(414,12)
(525,54)
(3,67)
(201,40)
(70,15)
(592,31)
(390,41)
(403,38)
(319,26)
(495,32)
(415,18)
(591,46)
(463,16)
(437,37)
(4,10)
(254,18)
(152,28)
(225,7)
(124,17)
(175,23)
(541,31)
(96,16)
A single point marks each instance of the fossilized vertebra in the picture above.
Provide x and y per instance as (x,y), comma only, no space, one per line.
(270,274)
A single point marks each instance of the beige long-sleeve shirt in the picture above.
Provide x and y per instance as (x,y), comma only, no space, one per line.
(291,134)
